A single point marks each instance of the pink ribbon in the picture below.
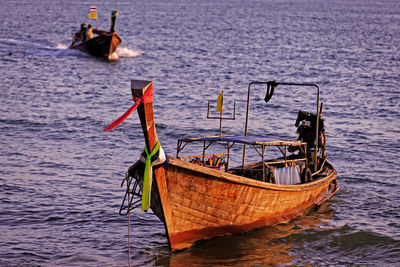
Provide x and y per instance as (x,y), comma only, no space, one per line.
(146,98)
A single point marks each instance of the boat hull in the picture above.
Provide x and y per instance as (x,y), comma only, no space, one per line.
(198,203)
(102,46)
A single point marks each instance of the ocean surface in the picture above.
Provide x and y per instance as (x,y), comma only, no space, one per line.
(60,174)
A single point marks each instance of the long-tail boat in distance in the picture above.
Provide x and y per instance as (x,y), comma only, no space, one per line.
(201,196)
(103,44)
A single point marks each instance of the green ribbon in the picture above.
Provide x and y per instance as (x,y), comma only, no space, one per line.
(148,177)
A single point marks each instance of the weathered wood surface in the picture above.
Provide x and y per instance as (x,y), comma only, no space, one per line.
(201,203)
(145,111)
(115,42)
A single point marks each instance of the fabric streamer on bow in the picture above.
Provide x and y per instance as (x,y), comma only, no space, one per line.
(146,98)
(148,173)
(148,177)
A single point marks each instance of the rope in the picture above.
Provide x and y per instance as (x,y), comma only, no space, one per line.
(129,239)
(127,176)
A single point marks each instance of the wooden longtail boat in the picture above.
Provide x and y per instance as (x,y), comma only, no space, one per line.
(197,198)
(103,44)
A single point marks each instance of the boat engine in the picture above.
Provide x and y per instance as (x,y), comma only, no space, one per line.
(306,124)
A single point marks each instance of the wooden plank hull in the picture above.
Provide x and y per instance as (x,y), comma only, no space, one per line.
(200,203)
(102,46)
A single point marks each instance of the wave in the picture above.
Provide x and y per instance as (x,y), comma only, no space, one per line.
(125,52)
(36,48)
(57,49)
(22,43)
(61,46)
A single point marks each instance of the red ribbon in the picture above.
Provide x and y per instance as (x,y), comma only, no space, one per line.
(146,98)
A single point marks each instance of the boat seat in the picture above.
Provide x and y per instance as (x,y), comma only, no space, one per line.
(287,175)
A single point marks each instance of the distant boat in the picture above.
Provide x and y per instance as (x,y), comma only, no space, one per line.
(200,196)
(103,45)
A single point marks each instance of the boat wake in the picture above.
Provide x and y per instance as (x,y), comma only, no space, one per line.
(15,43)
(124,52)
(56,50)
(14,46)
(61,46)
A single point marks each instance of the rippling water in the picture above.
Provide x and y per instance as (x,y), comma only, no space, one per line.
(60,175)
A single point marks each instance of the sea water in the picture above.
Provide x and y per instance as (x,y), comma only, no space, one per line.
(60,175)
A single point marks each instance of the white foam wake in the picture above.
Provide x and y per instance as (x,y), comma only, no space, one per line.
(61,46)
(124,52)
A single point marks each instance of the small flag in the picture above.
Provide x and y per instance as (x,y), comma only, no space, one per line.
(220,101)
(93,15)
(93,12)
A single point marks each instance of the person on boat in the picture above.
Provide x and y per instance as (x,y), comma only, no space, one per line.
(90,32)
(76,37)
(83,32)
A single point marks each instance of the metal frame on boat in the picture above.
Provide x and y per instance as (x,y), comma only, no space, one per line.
(197,198)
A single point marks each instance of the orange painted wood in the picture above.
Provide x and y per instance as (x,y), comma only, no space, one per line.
(115,41)
(146,116)
(145,112)
(201,203)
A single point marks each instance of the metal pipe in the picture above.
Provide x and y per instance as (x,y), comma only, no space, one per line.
(263,167)
(276,84)
(247,117)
